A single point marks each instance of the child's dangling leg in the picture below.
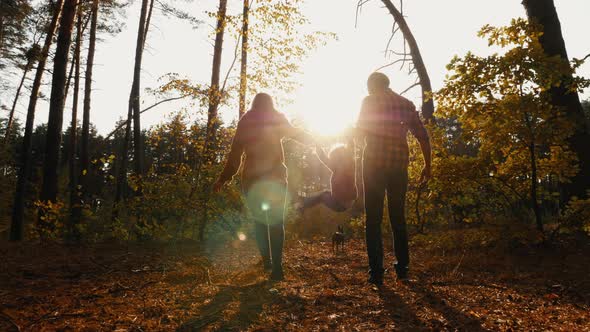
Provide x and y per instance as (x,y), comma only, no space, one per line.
(325,198)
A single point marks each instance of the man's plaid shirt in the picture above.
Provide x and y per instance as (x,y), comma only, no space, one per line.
(384,121)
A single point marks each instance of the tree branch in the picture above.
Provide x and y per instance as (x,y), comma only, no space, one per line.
(390,64)
(145,110)
(358,10)
(232,65)
(410,88)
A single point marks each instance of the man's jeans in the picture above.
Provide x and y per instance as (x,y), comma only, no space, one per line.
(394,182)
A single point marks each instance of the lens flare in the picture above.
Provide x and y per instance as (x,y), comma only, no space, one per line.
(265,206)
(241,236)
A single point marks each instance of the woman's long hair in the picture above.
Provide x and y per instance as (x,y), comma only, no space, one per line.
(262,103)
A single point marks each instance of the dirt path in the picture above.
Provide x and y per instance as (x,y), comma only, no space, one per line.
(162,290)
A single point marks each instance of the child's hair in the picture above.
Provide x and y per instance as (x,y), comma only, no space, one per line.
(342,154)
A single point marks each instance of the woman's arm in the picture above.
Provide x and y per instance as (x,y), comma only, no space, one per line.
(234,158)
(324,158)
(298,134)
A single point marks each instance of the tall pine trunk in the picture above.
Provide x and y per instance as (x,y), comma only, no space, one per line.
(544,13)
(214,91)
(244,59)
(212,116)
(427,99)
(534,185)
(49,189)
(73,171)
(26,70)
(134,96)
(85,136)
(18,209)
(133,111)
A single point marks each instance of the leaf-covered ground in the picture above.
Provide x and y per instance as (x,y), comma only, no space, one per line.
(47,288)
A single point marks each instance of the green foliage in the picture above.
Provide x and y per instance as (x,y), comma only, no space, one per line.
(279,40)
(51,221)
(170,204)
(576,216)
(501,107)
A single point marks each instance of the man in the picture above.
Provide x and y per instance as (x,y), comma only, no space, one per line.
(383,123)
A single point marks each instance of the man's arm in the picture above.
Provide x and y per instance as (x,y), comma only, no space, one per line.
(363,124)
(419,131)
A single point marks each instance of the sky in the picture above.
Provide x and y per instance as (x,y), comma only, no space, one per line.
(333,78)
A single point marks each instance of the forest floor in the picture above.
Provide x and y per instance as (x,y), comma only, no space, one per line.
(55,288)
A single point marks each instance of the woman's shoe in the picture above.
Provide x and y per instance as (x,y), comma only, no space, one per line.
(375,279)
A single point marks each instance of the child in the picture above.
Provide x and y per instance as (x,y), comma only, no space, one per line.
(343,187)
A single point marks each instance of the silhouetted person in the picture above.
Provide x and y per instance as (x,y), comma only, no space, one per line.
(383,123)
(264,174)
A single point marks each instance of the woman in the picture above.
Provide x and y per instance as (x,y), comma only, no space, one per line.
(264,174)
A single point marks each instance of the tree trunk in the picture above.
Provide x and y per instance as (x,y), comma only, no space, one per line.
(212,118)
(122,175)
(73,174)
(16,227)
(427,98)
(1,32)
(49,188)
(244,60)
(535,203)
(544,13)
(148,21)
(28,66)
(85,137)
(133,112)
(135,90)
(214,92)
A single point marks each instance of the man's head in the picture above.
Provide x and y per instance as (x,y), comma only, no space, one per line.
(377,82)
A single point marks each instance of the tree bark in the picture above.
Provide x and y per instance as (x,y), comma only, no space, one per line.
(18,209)
(49,188)
(534,202)
(26,70)
(133,112)
(214,92)
(73,172)
(1,32)
(427,98)
(85,136)
(148,21)
(544,13)
(134,96)
(212,116)
(123,165)
(244,59)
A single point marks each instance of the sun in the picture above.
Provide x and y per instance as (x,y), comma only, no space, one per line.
(327,111)
(332,87)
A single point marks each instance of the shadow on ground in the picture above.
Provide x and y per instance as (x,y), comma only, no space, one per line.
(232,308)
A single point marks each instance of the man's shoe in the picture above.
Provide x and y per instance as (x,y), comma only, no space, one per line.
(401,272)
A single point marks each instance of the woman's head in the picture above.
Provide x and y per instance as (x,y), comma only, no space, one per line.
(262,103)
